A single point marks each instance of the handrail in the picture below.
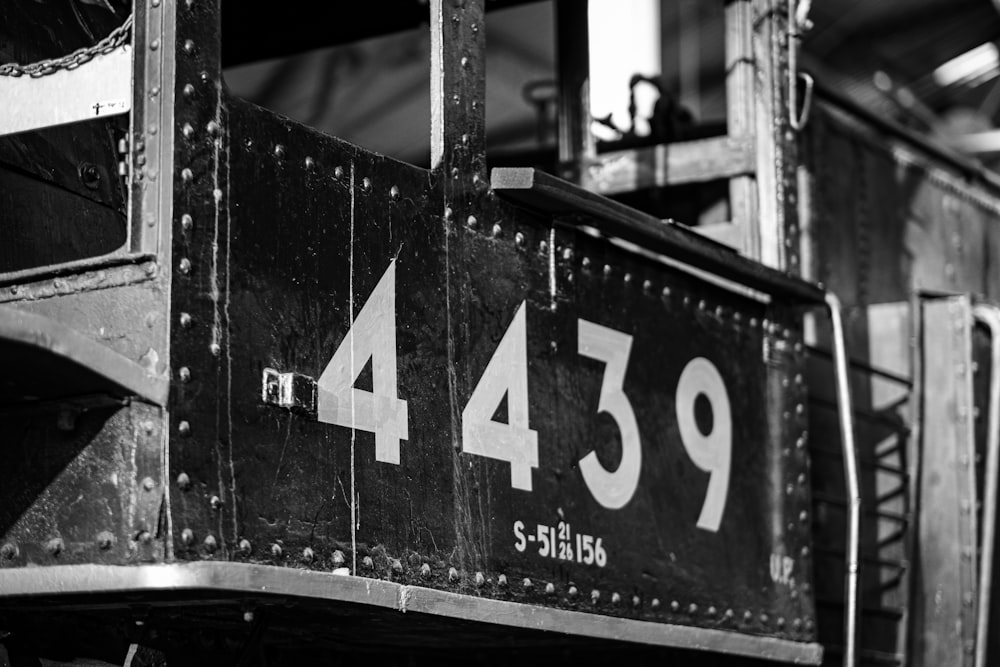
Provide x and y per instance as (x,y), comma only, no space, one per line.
(989,316)
(853,485)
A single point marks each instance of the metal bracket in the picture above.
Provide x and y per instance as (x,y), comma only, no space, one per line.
(292,391)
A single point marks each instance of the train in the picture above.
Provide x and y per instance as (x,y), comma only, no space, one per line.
(272,397)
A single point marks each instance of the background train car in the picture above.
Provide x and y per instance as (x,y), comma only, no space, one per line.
(394,349)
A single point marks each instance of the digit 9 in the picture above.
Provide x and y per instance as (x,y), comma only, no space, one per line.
(711,452)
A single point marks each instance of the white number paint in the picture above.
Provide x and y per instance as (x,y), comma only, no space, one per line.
(612,489)
(713,452)
(381,411)
(557,542)
(506,373)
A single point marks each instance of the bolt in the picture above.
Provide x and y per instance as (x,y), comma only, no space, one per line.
(187,536)
(244,546)
(452,574)
(210,544)
(184,428)
(425,570)
(104,540)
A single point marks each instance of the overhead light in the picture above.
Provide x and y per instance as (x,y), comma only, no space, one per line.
(974,65)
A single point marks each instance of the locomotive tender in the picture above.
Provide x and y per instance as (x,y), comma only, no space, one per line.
(270,397)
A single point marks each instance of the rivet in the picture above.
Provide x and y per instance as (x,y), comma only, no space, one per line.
(248,616)
(185,320)
(55,546)
(607,269)
(729,614)
(188,90)
(184,374)
(753,321)
(585,262)
(279,151)
(616,599)
(595,596)
(309,162)
(452,574)
(701,304)
(203,75)
(448,213)
(655,604)
(155,3)
(396,565)
(550,588)
(526,583)
(665,292)
(502,581)
(104,540)
(276,550)
(188,46)
(183,481)
(967,598)
(803,516)
(215,502)
(747,616)
(805,551)
(636,601)
(780,622)
(711,611)
(572,591)
(148,483)
(464,62)
(187,536)
(394,193)
(214,348)
(797,623)
(799,409)
(801,479)
(366,184)
(480,579)
(764,618)
(470,221)
(628,278)
(475,28)
(184,428)
(152,129)
(148,427)
(244,546)
(212,127)
(809,626)
(519,239)
(154,45)
(186,174)
(210,544)
(338,172)
(368,563)
(337,558)
(647,286)
(425,570)
(800,442)
(497,230)
(187,222)
(692,608)
(187,130)
(675,605)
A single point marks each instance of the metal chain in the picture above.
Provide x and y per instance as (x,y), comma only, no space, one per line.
(115,38)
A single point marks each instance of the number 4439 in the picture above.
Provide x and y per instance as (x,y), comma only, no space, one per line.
(380,411)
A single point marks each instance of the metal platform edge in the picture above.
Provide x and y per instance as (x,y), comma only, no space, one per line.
(244,578)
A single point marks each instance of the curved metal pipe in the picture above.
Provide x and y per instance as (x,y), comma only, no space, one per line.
(853,551)
(989,316)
